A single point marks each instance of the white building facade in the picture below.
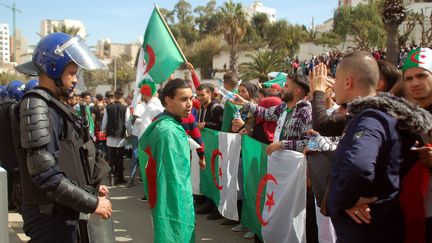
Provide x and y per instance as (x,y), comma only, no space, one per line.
(258,7)
(5,43)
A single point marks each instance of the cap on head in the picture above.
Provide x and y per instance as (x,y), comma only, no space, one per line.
(276,87)
(419,57)
(147,87)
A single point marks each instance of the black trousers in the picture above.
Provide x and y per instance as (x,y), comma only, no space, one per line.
(428,231)
(115,158)
(43,228)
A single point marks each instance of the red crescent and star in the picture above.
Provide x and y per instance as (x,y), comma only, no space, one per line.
(413,57)
(270,197)
(152,58)
(216,153)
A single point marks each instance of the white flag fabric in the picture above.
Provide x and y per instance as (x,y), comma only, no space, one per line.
(285,208)
(230,147)
(195,169)
(140,68)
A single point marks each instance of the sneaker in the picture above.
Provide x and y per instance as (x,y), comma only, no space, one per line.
(229,222)
(239,228)
(214,215)
(249,235)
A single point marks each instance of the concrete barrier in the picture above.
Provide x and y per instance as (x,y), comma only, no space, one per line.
(4,231)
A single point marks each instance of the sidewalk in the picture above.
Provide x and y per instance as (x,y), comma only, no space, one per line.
(132,219)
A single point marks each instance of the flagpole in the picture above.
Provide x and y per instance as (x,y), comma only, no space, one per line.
(172,36)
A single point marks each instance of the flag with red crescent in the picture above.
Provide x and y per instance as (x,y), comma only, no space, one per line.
(274,205)
(159,55)
(219,181)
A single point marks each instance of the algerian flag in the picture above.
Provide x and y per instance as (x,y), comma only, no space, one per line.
(219,180)
(160,55)
(279,79)
(420,57)
(166,175)
(275,193)
(195,168)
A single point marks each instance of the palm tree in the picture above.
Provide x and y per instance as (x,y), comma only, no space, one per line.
(232,25)
(262,63)
(71,30)
(393,14)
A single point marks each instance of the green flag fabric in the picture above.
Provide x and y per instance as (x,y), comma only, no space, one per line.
(254,168)
(168,182)
(161,54)
(219,180)
(228,115)
(280,80)
(208,179)
(89,118)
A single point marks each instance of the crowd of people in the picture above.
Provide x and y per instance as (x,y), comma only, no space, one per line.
(368,158)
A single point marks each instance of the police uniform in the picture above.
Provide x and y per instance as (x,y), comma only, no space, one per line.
(59,169)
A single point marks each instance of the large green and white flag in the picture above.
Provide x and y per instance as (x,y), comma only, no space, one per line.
(166,173)
(280,79)
(195,168)
(275,193)
(159,56)
(219,181)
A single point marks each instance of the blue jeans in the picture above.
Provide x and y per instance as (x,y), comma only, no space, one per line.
(134,160)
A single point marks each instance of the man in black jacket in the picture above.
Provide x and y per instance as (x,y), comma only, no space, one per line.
(210,114)
(113,124)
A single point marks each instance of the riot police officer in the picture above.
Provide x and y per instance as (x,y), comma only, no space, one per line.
(57,164)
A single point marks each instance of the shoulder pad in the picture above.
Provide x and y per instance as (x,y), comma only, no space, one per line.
(34,122)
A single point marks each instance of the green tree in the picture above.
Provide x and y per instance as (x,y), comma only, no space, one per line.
(181,22)
(261,64)
(124,70)
(329,39)
(202,52)
(426,33)
(393,13)
(405,33)
(168,15)
(363,23)
(206,20)
(285,37)
(233,25)
(256,32)
(71,30)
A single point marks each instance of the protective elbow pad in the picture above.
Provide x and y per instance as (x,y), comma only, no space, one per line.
(39,161)
(34,123)
(70,195)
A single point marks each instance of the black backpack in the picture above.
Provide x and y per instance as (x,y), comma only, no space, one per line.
(9,123)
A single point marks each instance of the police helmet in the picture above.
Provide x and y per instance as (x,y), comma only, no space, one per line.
(55,51)
(31,84)
(15,89)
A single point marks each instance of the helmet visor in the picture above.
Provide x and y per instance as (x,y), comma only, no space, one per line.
(81,54)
